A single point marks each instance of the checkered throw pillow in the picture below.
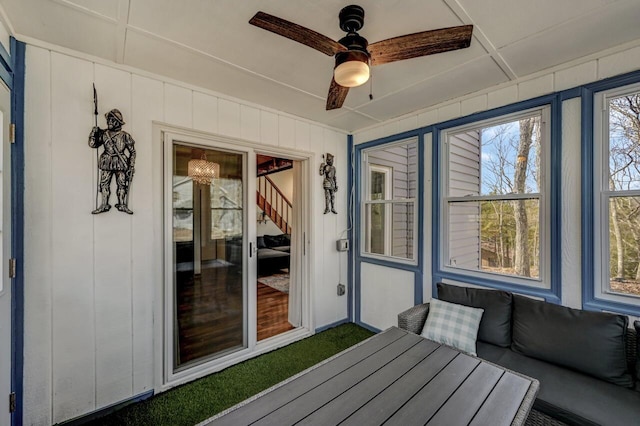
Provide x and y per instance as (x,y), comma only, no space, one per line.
(452,324)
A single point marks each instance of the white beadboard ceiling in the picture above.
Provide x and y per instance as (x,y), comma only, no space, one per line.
(209,43)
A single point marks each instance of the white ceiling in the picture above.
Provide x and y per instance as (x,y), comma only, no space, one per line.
(209,43)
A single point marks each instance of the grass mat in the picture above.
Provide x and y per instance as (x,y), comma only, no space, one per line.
(196,401)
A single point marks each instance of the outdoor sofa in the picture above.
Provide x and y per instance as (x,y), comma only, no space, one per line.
(587,362)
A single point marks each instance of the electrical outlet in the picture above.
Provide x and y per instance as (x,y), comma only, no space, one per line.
(342,245)
(341,290)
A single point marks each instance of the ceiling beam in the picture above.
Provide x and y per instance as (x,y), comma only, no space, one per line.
(124,9)
(479,35)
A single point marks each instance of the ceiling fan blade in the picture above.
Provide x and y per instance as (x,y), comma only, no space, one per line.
(297,33)
(420,44)
(337,95)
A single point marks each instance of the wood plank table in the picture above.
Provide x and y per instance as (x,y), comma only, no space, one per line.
(392,378)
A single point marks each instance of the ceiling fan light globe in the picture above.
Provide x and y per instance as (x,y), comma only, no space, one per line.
(351,73)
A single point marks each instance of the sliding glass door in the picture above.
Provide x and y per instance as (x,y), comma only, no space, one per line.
(208,290)
(209,299)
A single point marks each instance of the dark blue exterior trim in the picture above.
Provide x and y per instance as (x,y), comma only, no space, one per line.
(589,299)
(350,223)
(586,157)
(554,293)
(419,274)
(332,325)
(435,208)
(370,328)
(355,247)
(417,268)
(17,224)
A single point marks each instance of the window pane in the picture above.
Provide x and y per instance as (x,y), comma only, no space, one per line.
(226,208)
(624,143)
(624,245)
(400,162)
(500,159)
(378,185)
(500,236)
(209,297)
(389,229)
(182,208)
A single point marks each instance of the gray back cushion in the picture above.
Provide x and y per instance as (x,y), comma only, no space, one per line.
(590,342)
(495,326)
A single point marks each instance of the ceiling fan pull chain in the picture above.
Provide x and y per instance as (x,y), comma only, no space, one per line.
(371,87)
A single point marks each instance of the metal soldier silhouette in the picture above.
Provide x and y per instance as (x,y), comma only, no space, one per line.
(329,184)
(118,158)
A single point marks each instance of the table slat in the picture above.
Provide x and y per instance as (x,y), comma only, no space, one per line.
(280,396)
(424,404)
(345,404)
(305,404)
(380,408)
(469,397)
(504,401)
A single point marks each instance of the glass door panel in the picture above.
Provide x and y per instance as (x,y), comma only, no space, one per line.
(210,300)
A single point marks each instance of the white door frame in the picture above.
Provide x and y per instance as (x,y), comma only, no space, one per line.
(165,378)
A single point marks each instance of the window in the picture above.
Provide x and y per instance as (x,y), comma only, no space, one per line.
(494,202)
(379,238)
(389,202)
(617,190)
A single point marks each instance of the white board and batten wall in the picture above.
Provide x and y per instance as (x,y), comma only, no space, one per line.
(91,280)
(606,64)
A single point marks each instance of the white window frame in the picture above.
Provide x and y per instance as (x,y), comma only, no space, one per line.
(388,213)
(602,195)
(365,178)
(543,281)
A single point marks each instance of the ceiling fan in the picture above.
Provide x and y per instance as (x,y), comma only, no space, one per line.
(354,55)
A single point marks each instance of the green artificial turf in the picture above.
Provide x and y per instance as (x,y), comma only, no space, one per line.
(196,401)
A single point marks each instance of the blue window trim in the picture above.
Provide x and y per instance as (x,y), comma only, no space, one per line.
(589,299)
(17,61)
(554,293)
(358,259)
(350,228)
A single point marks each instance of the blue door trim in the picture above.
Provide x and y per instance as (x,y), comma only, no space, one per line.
(17,224)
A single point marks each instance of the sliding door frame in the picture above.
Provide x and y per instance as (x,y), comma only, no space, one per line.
(165,377)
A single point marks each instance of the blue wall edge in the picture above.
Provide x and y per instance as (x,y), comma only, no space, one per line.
(17,221)
(333,324)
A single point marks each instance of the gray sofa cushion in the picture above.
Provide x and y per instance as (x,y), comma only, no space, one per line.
(590,342)
(495,326)
(570,396)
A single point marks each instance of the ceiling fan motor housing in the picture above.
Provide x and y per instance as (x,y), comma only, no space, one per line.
(351,18)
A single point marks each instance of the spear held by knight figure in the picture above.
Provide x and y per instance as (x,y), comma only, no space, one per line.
(117,159)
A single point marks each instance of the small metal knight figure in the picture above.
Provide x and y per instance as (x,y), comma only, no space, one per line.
(329,184)
(114,161)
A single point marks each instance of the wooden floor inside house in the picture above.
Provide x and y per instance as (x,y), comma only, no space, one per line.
(209,313)
(273,312)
